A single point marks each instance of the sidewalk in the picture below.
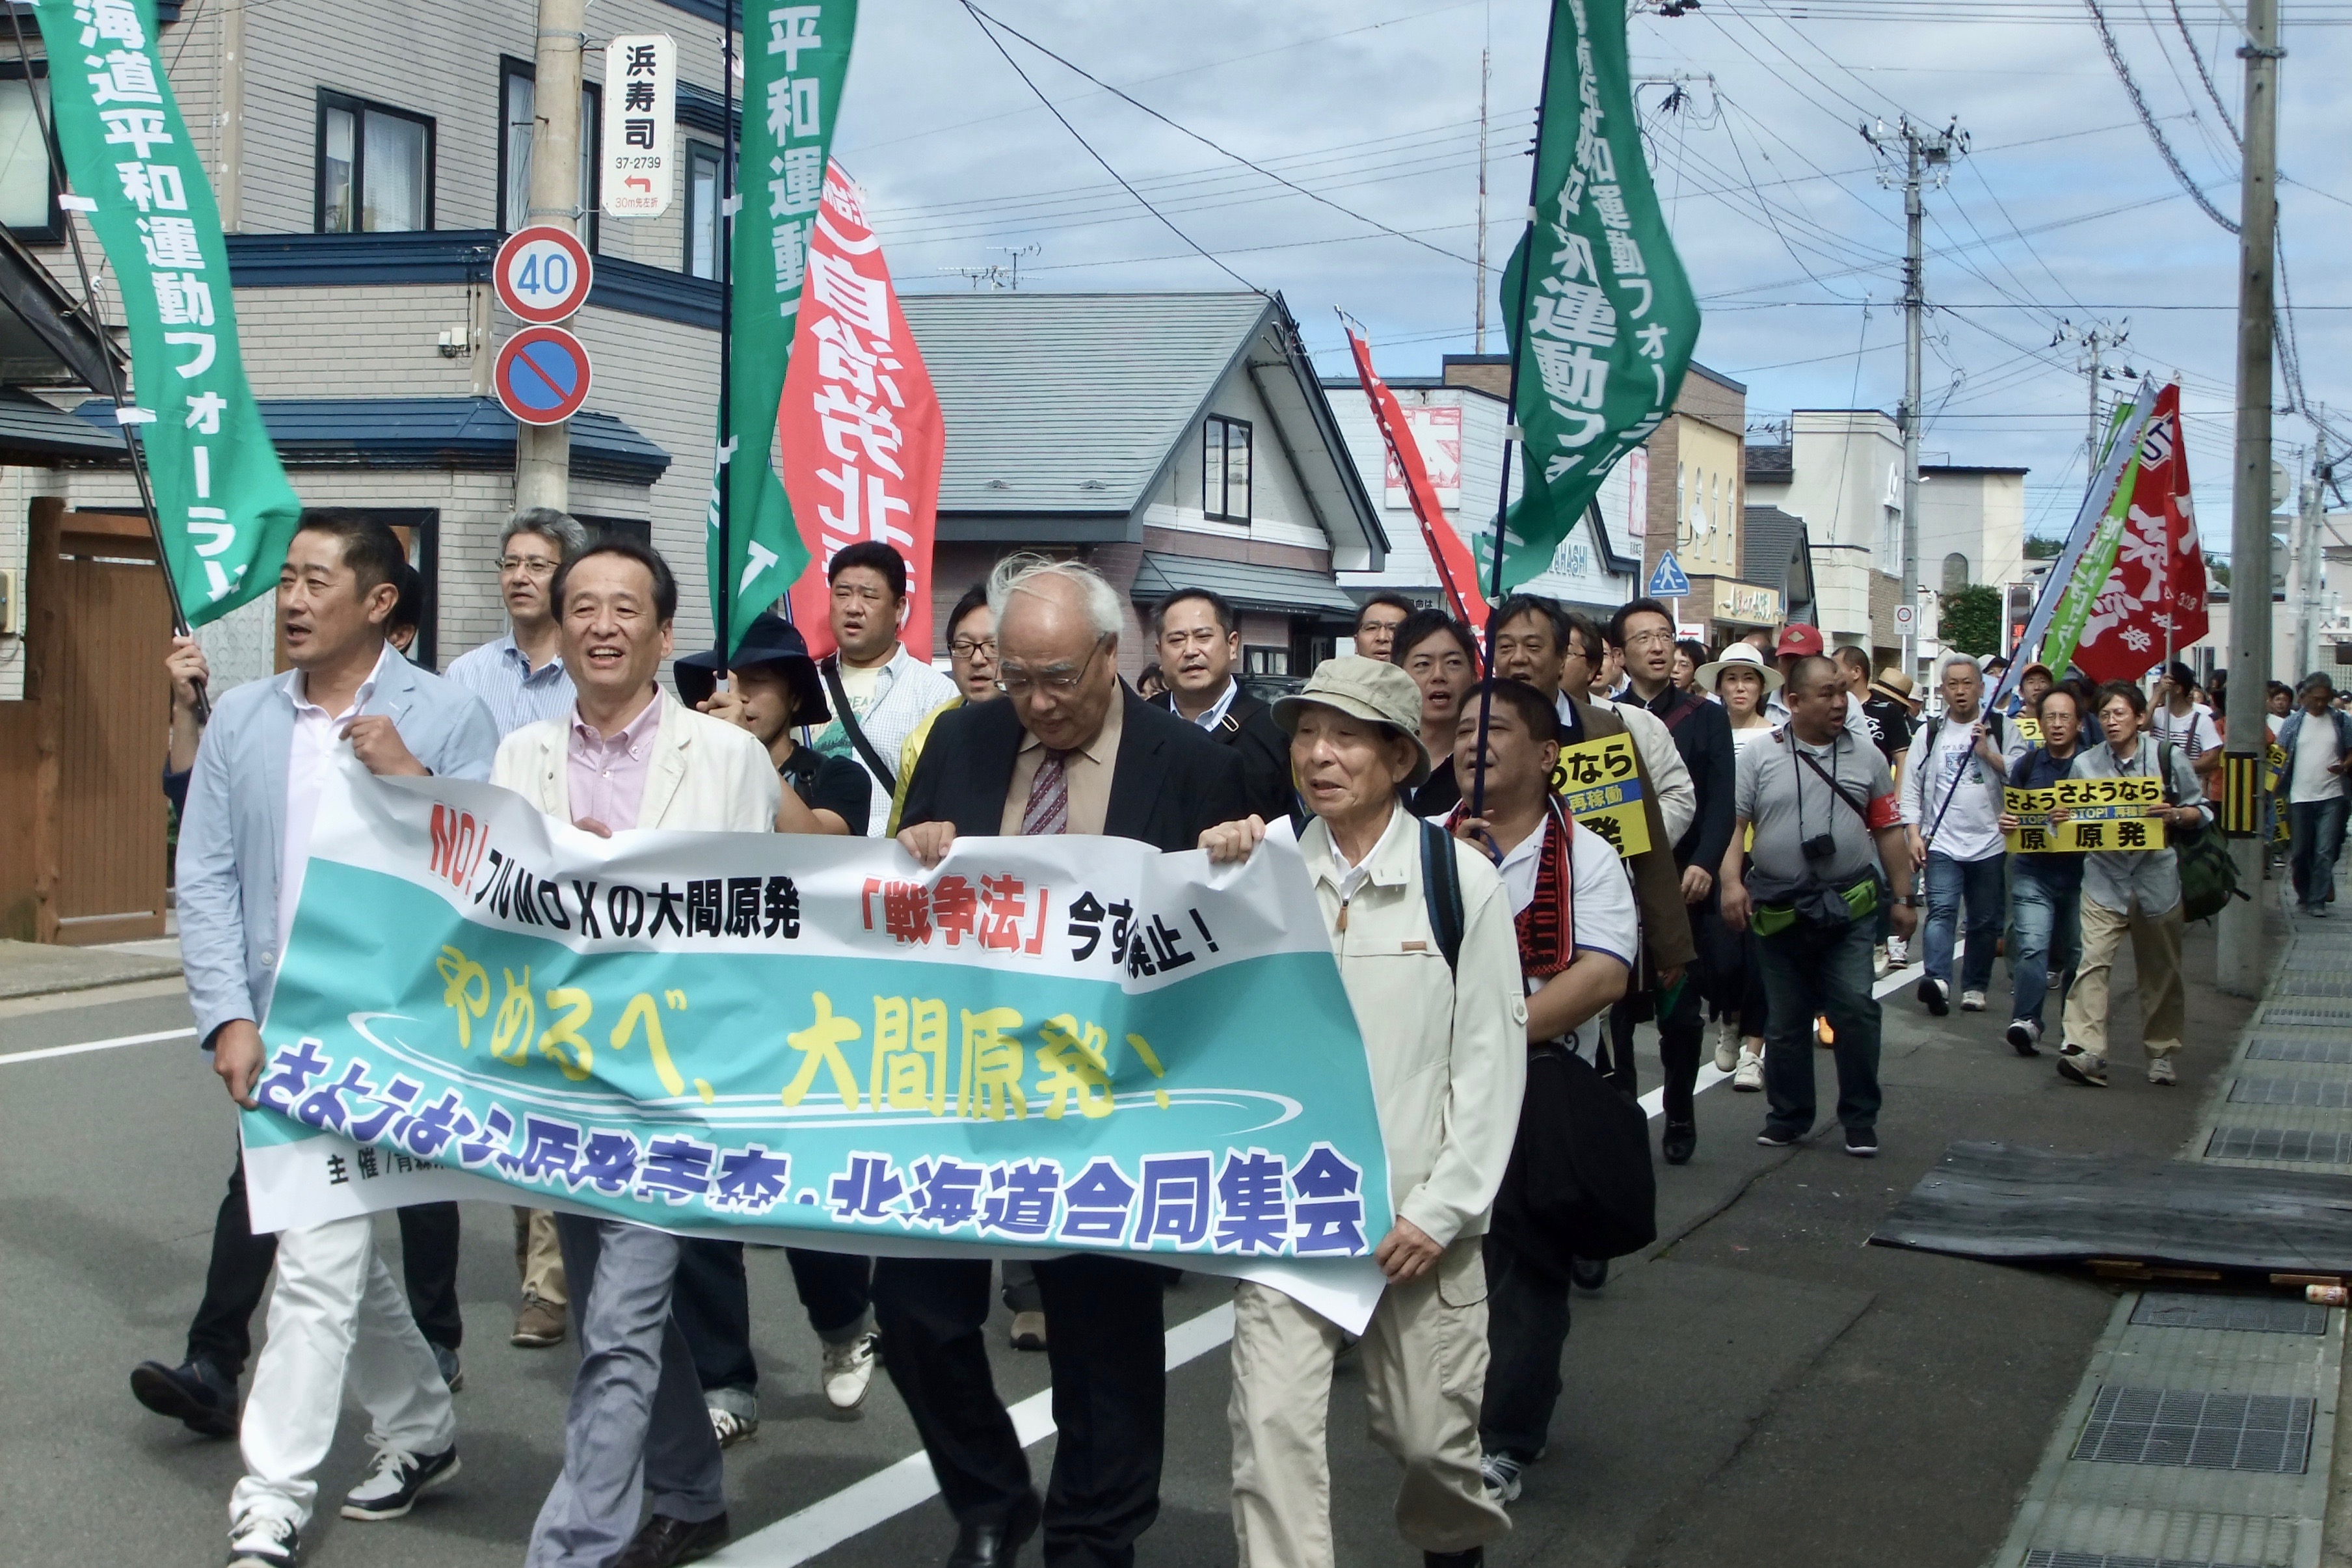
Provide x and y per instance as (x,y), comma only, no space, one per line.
(32,968)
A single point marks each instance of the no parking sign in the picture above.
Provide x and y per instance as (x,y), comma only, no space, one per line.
(542,375)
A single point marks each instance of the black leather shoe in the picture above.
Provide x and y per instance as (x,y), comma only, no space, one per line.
(1677,1144)
(996,1543)
(1474,1558)
(196,1394)
(1590,1273)
(662,1542)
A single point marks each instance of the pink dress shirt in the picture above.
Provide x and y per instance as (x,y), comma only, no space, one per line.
(607,778)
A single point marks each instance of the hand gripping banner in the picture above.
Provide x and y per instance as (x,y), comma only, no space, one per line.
(1045,1045)
(225,509)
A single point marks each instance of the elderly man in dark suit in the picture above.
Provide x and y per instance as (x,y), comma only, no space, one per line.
(1071,750)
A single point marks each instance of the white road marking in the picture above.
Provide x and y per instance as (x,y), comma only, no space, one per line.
(46,1052)
(856,1509)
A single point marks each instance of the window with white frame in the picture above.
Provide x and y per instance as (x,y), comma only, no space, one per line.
(28,195)
(704,232)
(1225,469)
(374,167)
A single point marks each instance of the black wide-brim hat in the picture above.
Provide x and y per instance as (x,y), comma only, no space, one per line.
(771,639)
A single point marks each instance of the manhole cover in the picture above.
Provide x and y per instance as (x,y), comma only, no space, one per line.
(2247,1314)
(2279,1143)
(2320,1093)
(2268,1433)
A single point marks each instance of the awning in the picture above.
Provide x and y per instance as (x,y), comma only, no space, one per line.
(34,432)
(1284,590)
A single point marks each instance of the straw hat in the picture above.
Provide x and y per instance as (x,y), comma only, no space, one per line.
(1893,682)
(1370,689)
(1740,655)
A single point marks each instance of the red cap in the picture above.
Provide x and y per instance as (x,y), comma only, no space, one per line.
(1798,640)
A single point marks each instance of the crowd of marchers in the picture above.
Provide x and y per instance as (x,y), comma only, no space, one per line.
(1795,809)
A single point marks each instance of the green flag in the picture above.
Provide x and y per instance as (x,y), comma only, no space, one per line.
(1602,329)
(795,59)
(2097,561)
(225,511)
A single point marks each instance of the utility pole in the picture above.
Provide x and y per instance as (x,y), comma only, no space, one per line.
(2241,965)
(1486,70)
(2307,568)
(544,453)
(1926,157)
(2099,339)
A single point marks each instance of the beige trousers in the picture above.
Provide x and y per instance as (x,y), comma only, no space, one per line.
(2155,953)
(1424,1358)
(537,1257)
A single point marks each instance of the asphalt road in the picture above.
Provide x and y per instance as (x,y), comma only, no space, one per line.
(1761,1389)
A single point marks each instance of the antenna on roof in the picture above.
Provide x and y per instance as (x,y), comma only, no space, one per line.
(1004,273)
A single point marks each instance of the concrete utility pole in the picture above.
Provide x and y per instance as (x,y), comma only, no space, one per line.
(2307,570)
(1927,155)
(2099,339)
(2241,962)
(544,453)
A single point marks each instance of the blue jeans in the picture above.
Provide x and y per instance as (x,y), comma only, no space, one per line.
(2046,935)
(1808,972)
(1979,882)
(2316,829)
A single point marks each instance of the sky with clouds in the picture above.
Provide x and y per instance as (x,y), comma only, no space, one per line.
(2061,211)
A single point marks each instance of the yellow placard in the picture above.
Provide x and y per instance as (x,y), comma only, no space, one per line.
(2101,814)
(2274,765)
(2030,727)
(1599,782)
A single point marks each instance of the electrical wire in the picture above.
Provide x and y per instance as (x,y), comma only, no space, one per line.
(1165,221)
(2139,105)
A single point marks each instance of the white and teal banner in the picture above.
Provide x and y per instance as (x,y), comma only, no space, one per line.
(1043,1045)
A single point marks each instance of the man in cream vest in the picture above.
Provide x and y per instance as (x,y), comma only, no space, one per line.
(627,757)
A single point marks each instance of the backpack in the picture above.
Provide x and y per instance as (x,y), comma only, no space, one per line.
(2209,874)
(1441,891)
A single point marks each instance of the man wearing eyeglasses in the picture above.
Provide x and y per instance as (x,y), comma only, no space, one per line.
(521,678)
(880,692)
(1069,750)
(1200,639)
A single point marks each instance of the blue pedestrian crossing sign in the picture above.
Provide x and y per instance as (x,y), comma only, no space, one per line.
(1666,579)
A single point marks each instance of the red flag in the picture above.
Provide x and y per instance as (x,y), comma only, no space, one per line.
(2155,597)
(1457,572)
(859,428)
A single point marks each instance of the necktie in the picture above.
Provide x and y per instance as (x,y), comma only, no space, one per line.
(1048,811)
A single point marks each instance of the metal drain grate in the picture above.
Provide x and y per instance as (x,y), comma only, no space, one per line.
(2268,1433)
(2286,1048)
(2323,1095)
(2306,1015)
(2297,1144)
(2329,982)
(2247,1314)
(2042,1557)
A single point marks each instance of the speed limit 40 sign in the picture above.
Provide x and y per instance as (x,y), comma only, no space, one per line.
(543,274)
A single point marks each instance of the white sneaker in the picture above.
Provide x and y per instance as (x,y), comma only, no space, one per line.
(2024,1036)
(1878,965)
(1972,1001)
(1727,1046)
(1501,1474)
(1898,952)
(848,1372)
(730,1428)
(2159,1070)
(395,1480)
(259,1540)
(1750,1079)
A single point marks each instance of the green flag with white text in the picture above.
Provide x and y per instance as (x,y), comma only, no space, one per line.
(1603,328)
(225,510)
(794,61)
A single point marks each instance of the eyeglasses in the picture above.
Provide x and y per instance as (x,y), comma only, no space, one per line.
(1658,637)
(530,565)
(972,647)
(1019,683)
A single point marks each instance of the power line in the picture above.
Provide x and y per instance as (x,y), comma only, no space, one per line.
(1099,158)
(2139,106)
(2203,75)
(988,21)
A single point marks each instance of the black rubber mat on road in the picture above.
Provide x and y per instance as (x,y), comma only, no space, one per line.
(2011,1205)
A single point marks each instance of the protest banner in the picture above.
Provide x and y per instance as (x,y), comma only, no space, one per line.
(1600,783)
(224,510)
(1457,574)
(859,426)
(2101,814)
(2153,600)
(1044,1045)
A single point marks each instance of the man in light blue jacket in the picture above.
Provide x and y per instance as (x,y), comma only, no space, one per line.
(243,844)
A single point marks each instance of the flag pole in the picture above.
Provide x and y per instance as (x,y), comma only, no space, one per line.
(722,598)
(1515,326)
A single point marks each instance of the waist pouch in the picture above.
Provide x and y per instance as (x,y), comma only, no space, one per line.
(1820,905)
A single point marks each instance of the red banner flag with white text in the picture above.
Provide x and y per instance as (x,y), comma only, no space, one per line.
(859,425)
(1457,572)
(2154,601)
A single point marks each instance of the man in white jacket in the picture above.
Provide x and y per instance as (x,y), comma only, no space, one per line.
(627,757)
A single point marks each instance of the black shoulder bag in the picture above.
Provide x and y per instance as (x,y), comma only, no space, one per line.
(883,775)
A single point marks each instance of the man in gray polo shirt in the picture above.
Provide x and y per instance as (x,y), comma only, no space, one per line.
(1821,801)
